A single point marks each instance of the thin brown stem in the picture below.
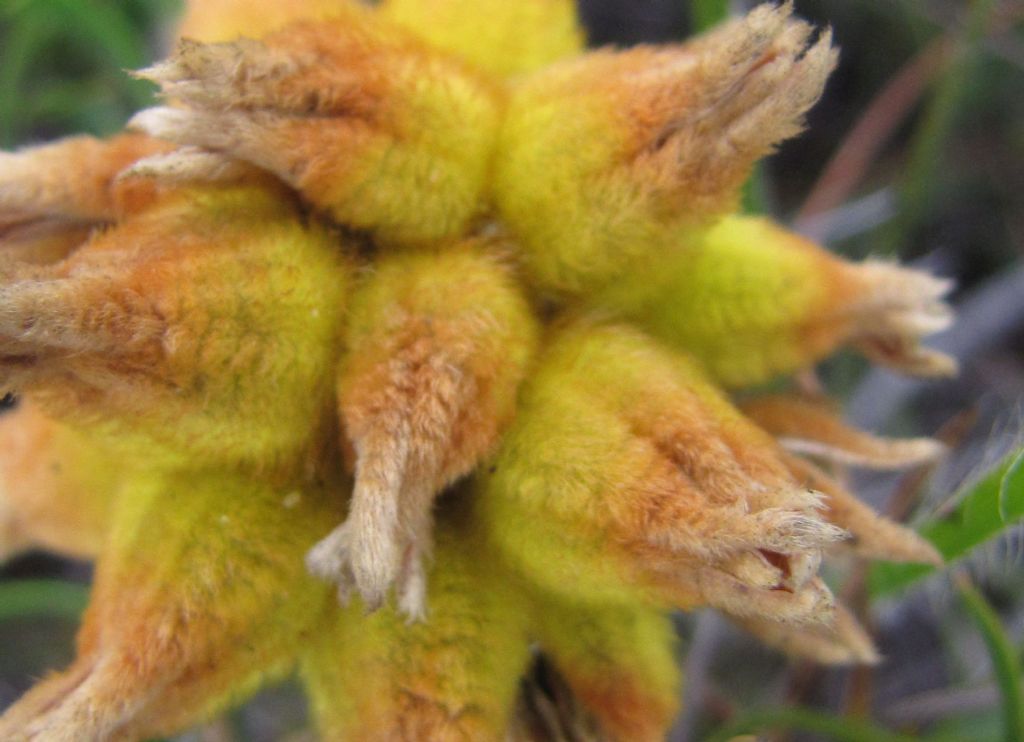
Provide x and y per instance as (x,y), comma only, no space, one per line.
(875,127)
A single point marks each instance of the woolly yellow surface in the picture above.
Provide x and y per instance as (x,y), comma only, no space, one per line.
(464,347)
(246,306)
(579,222)
(627,478)
(227,20)
(56,486)
(558,498)
(747,298)
(620,662)
(223,352)
(466,297)
(413,168)
(200,594)
(607,157)
(426,388)
(451,677)
(371,124)
(497,35)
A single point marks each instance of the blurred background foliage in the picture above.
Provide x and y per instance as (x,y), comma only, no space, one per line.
(916,151)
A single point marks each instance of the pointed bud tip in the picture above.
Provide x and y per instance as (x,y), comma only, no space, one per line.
(162,122)
(187,164)
(159,73)
(922,551)
(858,645)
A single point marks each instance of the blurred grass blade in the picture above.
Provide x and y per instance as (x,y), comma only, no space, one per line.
(1011,490)
(34,598)
(1005,662)
(757,195)
(993,503)
(838,728)
(927,149)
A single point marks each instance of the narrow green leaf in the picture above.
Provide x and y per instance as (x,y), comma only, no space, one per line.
(756,192)
(33,598)
(1005,662)
(993,503)
(1011,489)
(839,728)
(977,726)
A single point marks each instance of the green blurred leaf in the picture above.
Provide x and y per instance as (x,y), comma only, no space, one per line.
(708,13)
(24,598)
(993,503)
(1011,490)
(118,43)
(16,54)
(1005,662)
(88,44)
(839,728)
(756,192)
(982,726)
(104,25)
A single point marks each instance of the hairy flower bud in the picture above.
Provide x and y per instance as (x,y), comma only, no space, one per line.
(427,387)
(605,159)
(619,661)
(752,300)
(453,677)
(190,603)
(142,337)
(406,252)
(71,182)
(378,130)
(627,478)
